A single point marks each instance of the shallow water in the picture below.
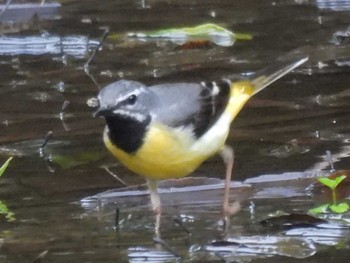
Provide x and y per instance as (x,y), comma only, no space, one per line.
(286,128)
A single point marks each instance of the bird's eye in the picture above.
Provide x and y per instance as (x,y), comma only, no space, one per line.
(132,99)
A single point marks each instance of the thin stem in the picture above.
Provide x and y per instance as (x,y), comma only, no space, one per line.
(334,197)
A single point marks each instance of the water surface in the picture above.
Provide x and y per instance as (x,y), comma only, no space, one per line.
(286,128)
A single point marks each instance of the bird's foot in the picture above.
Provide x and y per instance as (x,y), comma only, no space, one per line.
(158,212)
(229,210)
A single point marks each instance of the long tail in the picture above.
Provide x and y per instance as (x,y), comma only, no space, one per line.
(270,74)
(242,90)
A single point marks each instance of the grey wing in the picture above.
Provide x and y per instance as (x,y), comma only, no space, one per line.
(193,105)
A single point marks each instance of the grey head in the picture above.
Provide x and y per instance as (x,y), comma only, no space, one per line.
(126,106)
(126,99)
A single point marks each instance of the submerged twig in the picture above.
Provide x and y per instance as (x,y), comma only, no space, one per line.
(48,136)
(87,64)
(43,154)
(160,241)
(87,72)
(221,257)
(115,176)
(104,35)
(179,222)
(39,258)
(62,113)
(65,105)
(5,7)
(49,164)
(330,161)
(117,217)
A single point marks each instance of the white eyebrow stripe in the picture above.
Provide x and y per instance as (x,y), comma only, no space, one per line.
(134,115)
(134,92)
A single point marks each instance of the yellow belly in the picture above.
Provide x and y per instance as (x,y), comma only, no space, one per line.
(164,154)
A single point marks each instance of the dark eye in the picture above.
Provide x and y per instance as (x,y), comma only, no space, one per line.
(132,99)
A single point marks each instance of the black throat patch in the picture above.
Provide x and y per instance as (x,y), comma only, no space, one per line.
(127,133)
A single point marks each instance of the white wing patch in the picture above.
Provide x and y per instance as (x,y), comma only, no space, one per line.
(216,89)
(214,139)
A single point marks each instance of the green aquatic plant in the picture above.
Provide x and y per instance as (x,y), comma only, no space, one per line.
(73,160)
(10,216)
(335,207)
(3,208)
(4,166)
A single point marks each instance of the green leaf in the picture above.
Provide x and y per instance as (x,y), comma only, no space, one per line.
(320,209)
(338,180)
(339,208)
(5,211)
(4,166)
(209,31)
(331,183)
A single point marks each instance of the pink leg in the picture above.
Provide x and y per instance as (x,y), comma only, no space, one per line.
(228,209)
(155,200)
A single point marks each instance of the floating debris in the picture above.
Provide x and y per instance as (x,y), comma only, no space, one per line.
(292,221)
(341,36)
(206,32)
(92,102)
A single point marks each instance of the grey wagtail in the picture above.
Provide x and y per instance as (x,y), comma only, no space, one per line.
(168,130)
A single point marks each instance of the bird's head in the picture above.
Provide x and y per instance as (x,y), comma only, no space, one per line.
(124,99)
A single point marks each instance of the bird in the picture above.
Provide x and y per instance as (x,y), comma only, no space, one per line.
(167,130)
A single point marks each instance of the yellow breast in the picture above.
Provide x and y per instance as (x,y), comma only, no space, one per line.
(165,153)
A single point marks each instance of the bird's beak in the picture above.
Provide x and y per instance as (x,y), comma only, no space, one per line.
(102,112)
